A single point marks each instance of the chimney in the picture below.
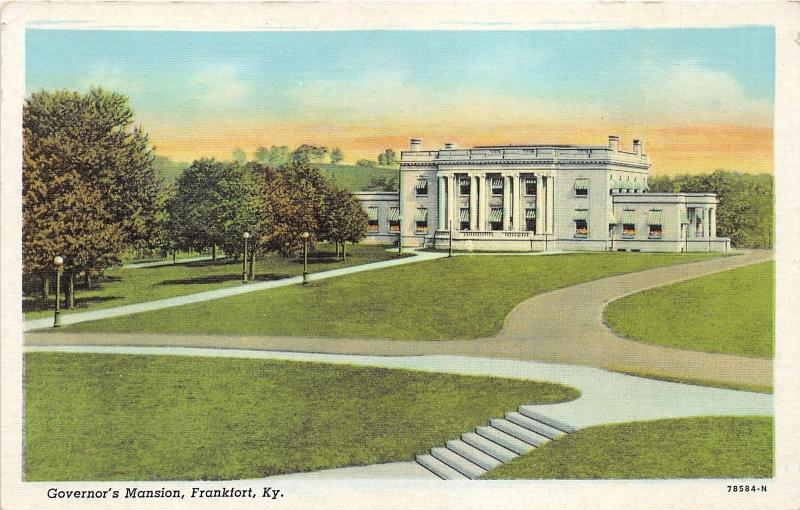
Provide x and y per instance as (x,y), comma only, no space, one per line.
(416,145)
(449,146)
(637,147)
(613,143)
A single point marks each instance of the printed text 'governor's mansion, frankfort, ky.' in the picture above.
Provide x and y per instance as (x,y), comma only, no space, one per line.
(538,198)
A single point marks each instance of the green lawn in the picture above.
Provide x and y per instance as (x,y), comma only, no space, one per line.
(125,417)
(452,298)
(730,312)
(125,286)
(353,177)
(707,447)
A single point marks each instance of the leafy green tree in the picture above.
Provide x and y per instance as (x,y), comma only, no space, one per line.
(89,184)
(336,156)
(382,184)
(387,158)
(307,153)
(239,155)
(366,163)
(261,155)
(342,219)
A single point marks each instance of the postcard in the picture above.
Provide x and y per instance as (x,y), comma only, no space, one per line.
(399,254)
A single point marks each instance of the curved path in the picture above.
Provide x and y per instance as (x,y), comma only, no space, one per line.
(563,326)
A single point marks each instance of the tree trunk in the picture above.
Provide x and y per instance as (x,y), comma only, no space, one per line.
(45,287)
(69,291)
(252,274)
(337,249)
(87,280)
(214,252)
(344,252)
(173,256)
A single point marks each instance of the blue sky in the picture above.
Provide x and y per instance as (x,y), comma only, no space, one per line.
(477,81)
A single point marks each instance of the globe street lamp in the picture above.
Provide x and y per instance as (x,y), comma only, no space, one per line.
(305,257)
(246,236)
(58,260)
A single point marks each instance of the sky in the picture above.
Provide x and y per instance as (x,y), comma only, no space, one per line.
(701,99)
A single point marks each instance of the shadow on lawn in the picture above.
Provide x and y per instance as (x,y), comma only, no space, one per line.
(37,305)
(221,278)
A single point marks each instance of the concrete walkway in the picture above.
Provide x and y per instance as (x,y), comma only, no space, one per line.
(148,306)
(563,326)
(159,263)
(606,397)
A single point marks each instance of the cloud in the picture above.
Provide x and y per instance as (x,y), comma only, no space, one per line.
(217,87)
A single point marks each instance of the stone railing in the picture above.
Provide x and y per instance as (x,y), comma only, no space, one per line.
(543,154)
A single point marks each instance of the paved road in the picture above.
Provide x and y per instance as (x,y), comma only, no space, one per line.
(606,397)
(148,306)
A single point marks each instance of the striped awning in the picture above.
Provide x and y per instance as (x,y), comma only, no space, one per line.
(581,184)
(422,185)
(627,217)
(684,218)
(421,215)
(464,216)
(394,214)
(654,217)
(497,182)
(581,215)
(372,213)
(530,214)
(496,215)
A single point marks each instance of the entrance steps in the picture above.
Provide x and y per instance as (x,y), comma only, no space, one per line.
(488,447)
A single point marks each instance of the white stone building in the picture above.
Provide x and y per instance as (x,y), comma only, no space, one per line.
(538,198)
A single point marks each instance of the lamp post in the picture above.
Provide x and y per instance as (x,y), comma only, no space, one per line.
(304,235)
(246,236)
(58,260)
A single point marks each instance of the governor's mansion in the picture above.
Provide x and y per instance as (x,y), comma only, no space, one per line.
(538,198)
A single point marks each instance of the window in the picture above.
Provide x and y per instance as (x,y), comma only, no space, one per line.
(464,219)
(581,223)
(464,183)
(372,219)
(628,224)
(581,187)
(421,220)
(422,188)
(530,220)
(496,219)
(654,223)
(394,219)
(497,185)
(530,187)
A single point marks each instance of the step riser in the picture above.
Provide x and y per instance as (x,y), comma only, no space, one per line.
(473,455)
(534,426)
(458,463)
(439,468)
(489,447)
(504,440)
(519,432)
(550,422)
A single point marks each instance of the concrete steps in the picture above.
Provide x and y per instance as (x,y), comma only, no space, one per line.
(505,439)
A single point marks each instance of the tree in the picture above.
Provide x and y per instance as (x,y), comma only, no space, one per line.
(382,184)
(291,199)
(239,155)
(213,205)
(366,163)
(307,153)
(261,155)
(89,185)
(336,156)
(387,158)
(342,219)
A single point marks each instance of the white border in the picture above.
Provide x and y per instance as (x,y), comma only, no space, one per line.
(784,490)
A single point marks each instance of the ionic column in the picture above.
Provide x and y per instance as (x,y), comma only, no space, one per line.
(519,214)
(712,222)
(539,205)
(473,203)
(453,200)
(506,201)
(482,201)
(551,193)
(440,189)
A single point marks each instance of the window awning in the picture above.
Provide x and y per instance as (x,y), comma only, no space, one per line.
(497,182)
(422,184)
(421,215)
(627,217)
(372,213)
(394,214)
(530,214)
(464,215)
(496,215)
(581,184)
(654,217)
(612,218)
(581,215)
(684,218)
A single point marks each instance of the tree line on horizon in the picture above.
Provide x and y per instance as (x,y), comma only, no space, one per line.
(91,193)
